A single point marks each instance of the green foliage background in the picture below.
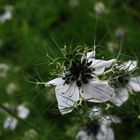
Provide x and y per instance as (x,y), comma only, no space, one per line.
(33,31)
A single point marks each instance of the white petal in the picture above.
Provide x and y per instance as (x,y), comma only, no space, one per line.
(83,135)
(96,91)
(99,71)
(54,82)
(129,66)
(106,133)
(10,122)
(13,124)
(114,119)
(67,95)
(100,65)
(120,96)
(107,120)
(22,111)
(90,54)
(134,84)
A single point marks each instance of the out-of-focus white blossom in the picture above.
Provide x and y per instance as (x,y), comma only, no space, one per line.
(7,15)
(22,111)
(11,88)
(4,69)
(96,130)
(10,123)
(30,134)
(119,32)
(99,8)
(99,127)
(112,46)
(9,106)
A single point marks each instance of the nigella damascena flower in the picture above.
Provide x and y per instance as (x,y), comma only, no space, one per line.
(112,46)
(99,126)
(10,123)
(119,32)
(30,134)
(80,80)
(7,15)
(99,8)
(22,111)
(11,88)
(4,69)
(124,83)
(97,130)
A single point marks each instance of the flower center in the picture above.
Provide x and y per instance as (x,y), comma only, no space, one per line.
(79,72)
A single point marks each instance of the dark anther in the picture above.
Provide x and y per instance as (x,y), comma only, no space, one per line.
(89,76)
(78,70)
(89,63)
(84,80)
(84,62)
(73,78)
(67,81)
(88,71)
(64,78)
(78,83)
(123,80)
(68,75)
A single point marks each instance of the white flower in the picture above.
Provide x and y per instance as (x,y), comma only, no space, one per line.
(3,69)
(82,81)
(11,88)
(7,15)
(126,84)
(97,130)
(10,123)
(112,46)
(30,134)
(99,8)
(9,106)
(22,111)
(119,32)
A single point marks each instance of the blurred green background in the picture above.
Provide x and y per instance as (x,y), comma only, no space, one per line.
(34,29)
